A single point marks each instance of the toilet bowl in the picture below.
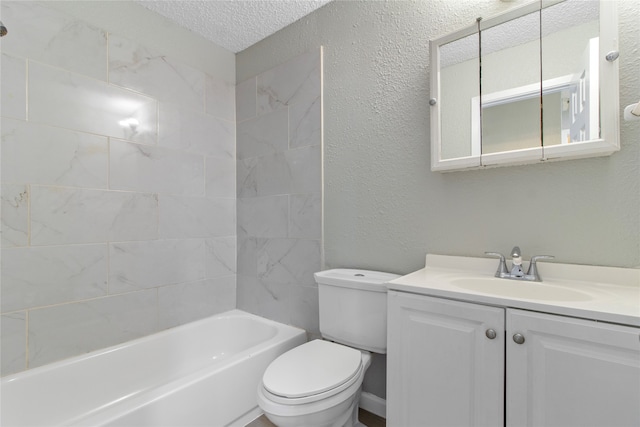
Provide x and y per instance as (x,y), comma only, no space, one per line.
(318,384)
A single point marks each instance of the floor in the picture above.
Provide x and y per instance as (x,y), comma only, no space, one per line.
(366,418)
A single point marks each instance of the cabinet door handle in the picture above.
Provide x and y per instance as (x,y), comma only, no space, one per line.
(491,334)
(518,338)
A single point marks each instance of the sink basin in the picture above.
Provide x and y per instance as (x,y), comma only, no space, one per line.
(520,289)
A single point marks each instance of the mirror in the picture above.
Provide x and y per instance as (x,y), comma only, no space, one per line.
(510,103)
(546,91)
(459,58)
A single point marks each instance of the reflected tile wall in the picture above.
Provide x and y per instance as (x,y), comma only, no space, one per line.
(279,189)
(118,189)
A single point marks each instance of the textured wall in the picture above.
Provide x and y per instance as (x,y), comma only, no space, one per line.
(280,190)
(110,230)
(384,209)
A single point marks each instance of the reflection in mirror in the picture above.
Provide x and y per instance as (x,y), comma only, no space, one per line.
(570,48)
(511,85)
(459,82)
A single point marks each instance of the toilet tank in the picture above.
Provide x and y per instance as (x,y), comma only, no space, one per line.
(353,307)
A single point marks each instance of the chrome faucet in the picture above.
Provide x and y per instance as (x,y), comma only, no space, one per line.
(516,272)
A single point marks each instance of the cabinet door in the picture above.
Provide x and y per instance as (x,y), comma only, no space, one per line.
(442,369)
(571,372)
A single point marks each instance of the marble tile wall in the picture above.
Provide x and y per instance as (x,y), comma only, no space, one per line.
(279,189)
(118,190)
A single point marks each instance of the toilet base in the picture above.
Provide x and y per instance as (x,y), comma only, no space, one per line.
(343,415)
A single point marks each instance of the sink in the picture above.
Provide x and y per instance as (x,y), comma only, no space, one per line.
(520,289)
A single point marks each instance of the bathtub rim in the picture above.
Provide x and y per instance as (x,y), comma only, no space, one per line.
(110,410)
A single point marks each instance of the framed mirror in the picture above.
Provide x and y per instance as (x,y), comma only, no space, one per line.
(545,88)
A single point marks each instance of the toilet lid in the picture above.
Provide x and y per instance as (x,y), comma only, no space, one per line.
(311,368)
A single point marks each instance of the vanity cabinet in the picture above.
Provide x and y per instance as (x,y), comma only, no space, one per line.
(454,363)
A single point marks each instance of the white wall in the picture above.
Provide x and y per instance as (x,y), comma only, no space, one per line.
(111,232)
(384,209)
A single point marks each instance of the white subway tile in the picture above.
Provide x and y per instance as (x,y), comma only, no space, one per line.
(246,177)
(220,98)
(246,99)
(304,308)
(288,260)
(263,216)
(72,101)
(220,256)
(273,175)
(13,343)
(265,134)
(15,215)
(138,167)
(140,265)
(247,262)
(305,165)
(136,67)
(267,299)
(13,86)
(305,124)
(193,217)
(220,177)
(305,216)
(67,330)
(46,35)
(196,132)
(179,304)
(39,154)
(38,276)
(296,81)
(67,215)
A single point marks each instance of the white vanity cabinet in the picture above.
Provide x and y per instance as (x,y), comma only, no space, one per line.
(453,363)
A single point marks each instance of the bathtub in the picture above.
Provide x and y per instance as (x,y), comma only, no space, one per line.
(205,373)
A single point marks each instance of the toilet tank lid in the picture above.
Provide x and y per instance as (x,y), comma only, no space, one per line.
(356,279)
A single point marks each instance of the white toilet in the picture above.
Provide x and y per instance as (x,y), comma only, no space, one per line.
(319,383)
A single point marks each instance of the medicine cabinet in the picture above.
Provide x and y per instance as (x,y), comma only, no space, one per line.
(537,83)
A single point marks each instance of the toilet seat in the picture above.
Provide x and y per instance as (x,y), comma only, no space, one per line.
(311,372)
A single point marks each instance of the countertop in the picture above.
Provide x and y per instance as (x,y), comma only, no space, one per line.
(611,294)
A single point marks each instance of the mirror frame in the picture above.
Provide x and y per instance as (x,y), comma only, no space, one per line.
(607,144)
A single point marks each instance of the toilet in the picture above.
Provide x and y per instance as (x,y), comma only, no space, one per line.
(319,383)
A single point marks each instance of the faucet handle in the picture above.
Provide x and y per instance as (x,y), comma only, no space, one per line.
(502,266)
(533,268)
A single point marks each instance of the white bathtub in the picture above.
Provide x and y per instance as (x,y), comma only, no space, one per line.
(204,373)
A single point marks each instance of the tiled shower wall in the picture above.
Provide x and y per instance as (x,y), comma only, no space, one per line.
(118,189)
(280,191)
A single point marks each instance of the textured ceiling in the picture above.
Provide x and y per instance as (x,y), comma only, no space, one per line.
(233,24)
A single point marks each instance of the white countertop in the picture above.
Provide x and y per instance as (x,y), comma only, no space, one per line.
(609,294)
